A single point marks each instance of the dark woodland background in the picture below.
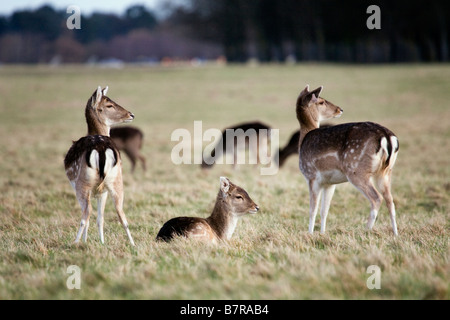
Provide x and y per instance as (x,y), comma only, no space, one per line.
(238,30)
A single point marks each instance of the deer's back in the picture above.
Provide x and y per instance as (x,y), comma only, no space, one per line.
(344,147)
(79,156)
(190,227)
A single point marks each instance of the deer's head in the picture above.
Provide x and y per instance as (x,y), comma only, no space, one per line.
(236,198)
(311,107)
(102,112)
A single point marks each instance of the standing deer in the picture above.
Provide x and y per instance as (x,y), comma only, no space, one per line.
(291,147)
(129,139)
(248,135)
(232,202)
(93,163)
(363,153)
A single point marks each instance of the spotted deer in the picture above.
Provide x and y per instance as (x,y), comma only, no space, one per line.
(362,153)
(291,148)
(129,140)
(93,163)
(232,202)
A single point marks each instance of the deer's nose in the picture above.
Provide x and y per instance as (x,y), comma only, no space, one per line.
(131,115)
(257,208)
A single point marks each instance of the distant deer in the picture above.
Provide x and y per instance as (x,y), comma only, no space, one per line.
(363,153)
(291,147)
(244,133)
(232,202)
(129,139)
(93,163)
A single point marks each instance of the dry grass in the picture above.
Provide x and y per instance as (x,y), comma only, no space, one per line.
(270,256)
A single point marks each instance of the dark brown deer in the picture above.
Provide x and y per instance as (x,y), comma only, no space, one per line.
(93,163)
(232,202)
(363,153)
(129,140)
(248,135)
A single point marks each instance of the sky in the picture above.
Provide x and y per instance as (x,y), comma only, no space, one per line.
(86,6)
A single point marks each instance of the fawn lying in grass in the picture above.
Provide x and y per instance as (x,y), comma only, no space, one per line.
(232,203)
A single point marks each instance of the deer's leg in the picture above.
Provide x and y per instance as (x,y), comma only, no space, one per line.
(101,203)
(132,157)
(142,159)
(314,196)
(384,184)
(83,197)
(328,192)
(117,196)
(85,231)
(367,188)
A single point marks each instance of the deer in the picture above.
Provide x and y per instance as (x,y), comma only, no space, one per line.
(232,203)
(93,164)
(129,140)
(248,135)
(291,148)
(363,153)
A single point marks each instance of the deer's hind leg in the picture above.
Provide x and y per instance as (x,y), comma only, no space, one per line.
(384,185)
(365,185)
(116,191)
(101,203)
(83,197)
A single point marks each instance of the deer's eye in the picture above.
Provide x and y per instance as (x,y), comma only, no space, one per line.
(239,197)
(321,102)
(109,106)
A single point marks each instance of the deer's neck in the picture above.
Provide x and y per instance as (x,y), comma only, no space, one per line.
(94,125)
(307,123)
(222,220)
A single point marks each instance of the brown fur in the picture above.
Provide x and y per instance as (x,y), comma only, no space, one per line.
(291,148)
(254,127)
(129,140)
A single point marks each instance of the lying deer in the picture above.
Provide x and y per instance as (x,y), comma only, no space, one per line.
(232,203)
(93,163)
(363,153)
(129,139)
(248,135)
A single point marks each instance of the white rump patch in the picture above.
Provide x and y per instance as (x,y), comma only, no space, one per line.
(110,160)
(394,142)
(94,159)
(383,144)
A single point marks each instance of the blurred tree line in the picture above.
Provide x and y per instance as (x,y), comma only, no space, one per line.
(266,30)
(322,29)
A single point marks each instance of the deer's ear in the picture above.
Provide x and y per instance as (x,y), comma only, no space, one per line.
(96,98)
(304,91)
(104,91)
(317,91)
(224,185)
(313,98)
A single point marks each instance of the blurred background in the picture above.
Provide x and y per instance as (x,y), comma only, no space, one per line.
(163,31)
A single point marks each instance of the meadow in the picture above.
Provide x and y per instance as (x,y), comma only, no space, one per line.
(271,255)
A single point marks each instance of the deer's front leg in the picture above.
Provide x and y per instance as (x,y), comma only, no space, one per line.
(314,197)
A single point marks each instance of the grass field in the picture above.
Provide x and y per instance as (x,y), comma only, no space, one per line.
(271,255)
